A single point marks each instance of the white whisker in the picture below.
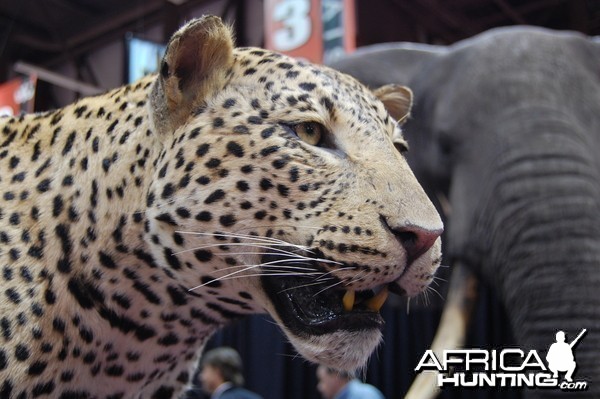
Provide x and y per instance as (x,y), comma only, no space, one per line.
(290,260)
(225,276)
(338,270)
(437,278)
(436,291)
(252,253)
(266,240)
(279,252)
(293,256)
(250,267)
(271,273)
(278,261)
(356,278)
(303,286)
(295,227)
(271,267)
(328,288)
(242,244)
(427,299)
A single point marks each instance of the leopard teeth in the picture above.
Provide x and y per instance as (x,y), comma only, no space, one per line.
(348,300)
(378,300)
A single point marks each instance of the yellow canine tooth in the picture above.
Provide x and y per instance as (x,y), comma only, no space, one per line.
(348,300)
(378,300)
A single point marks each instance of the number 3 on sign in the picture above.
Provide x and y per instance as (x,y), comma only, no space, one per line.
(296,30)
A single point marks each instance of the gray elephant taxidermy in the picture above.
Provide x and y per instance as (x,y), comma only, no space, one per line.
(507,126)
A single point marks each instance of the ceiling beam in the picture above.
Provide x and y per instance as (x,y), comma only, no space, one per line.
(450,16)
(428,23)
(524,9)
(103,27)
(151,13)
(57,79)
(510,12)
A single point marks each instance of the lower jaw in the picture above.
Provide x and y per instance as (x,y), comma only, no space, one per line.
(340,350)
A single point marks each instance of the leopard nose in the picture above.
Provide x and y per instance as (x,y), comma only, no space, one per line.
(414,239)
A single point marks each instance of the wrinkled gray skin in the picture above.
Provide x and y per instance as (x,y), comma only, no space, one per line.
(507,124)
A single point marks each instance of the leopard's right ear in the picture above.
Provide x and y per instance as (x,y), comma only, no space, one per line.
(194,67)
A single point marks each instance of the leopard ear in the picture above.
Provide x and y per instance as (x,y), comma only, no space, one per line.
(193,68)
(397,100)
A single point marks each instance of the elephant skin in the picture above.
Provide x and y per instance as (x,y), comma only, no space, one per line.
(507,125)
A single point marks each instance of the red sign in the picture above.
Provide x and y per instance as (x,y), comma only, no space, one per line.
(315,30)
(16,96)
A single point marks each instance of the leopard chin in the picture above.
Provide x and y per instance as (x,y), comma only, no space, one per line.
(342,350)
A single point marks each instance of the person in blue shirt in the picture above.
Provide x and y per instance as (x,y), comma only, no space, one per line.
(335,384)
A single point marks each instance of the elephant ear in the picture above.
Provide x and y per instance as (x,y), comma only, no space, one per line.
(397,100)
(194,67)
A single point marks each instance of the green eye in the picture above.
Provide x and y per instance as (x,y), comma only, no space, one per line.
(309,132)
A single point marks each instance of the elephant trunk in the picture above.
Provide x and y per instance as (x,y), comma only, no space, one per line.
(537,236)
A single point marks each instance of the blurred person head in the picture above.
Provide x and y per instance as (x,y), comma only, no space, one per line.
(221,365)
(331,381)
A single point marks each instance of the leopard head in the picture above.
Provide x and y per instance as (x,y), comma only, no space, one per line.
(282,187)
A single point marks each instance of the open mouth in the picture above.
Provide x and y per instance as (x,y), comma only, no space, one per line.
(309,308)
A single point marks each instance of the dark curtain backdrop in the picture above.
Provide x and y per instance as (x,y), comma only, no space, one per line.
(274,370)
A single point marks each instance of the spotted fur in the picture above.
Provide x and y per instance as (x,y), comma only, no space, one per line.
(130,222)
